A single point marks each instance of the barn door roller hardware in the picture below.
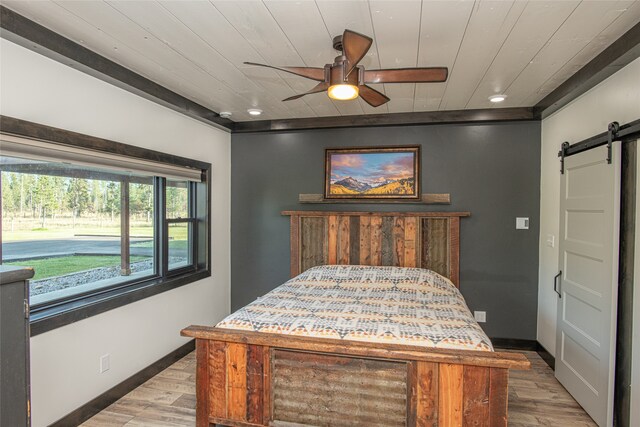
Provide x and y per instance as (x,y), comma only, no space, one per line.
(615,132)
(562,154)
(612,133)
(565,148)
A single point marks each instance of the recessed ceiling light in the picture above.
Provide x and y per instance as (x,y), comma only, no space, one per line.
(497,98)
(225,114)
(254,111)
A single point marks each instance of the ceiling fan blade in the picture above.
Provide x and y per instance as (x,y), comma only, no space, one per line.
(372,96)
(407,75)
(320,87)
(354,46)
(312,73)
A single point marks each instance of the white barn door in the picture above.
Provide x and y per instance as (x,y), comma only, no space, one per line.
(588,286)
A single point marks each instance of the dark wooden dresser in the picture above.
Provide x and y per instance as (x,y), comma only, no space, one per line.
(15,404)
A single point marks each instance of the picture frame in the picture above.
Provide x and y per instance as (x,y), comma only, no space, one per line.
(373,173)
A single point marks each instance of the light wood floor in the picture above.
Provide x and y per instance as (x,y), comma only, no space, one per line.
(168,399)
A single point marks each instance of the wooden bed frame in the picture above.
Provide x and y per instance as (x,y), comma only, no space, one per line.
(263,379)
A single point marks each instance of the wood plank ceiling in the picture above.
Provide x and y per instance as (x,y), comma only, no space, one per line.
(523,49)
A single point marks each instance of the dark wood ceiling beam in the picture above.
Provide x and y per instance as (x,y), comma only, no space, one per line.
(394,119)
(31,35)
(620,53)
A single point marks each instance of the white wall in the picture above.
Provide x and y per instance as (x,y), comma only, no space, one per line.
(615,99)
(64,362)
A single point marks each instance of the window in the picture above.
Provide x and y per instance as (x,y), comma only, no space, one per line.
(98,228)
(180,221)
(71,224)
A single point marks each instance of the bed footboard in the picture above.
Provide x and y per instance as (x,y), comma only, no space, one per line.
(260,379)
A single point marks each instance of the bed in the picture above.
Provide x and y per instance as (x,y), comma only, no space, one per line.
(348,343)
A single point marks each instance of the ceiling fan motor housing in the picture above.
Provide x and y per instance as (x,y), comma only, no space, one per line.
(337,73)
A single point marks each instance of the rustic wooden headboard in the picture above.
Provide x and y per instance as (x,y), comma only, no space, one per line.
(405,239)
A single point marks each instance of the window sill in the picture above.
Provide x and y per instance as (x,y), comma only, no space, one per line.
(51,318)
(81,291)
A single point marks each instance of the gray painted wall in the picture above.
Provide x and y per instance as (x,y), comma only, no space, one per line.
(491,170)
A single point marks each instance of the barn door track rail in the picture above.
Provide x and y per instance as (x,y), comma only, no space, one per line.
(615,132)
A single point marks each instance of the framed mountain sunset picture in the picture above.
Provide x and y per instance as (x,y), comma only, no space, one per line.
(380,173)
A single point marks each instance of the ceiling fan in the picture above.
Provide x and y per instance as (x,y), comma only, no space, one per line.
(345,79)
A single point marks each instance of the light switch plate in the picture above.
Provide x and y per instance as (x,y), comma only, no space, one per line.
(551,240)
(480,316)
(522,223)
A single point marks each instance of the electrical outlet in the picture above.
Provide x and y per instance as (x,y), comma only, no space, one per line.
(105,363)
(481,316)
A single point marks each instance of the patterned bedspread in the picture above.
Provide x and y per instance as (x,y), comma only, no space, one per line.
(395,305)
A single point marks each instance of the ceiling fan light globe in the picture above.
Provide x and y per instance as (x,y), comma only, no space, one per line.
(343,92)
